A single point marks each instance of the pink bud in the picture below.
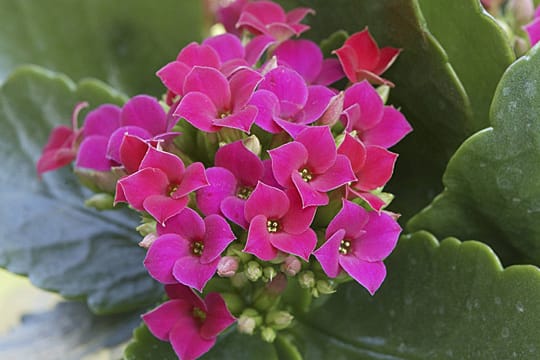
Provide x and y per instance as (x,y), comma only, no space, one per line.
(291,266)
(227,266)
(148,240)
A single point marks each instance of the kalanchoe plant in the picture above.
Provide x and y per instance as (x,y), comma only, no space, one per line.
(296,163)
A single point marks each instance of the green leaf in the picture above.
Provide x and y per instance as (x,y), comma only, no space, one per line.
(122,42)
(46,232)
(447,301)
(230,345)
(492,191)
(428,89)
(69,331)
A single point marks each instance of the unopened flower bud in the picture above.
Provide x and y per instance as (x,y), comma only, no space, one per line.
(248,321)
(268,334)
(227,266)
(269,66)
(269,273)
(279,319)
(101,201)
(239,280)
(253,271)
(384,92)
(306,279)
(325,287)
(148,240)
(333,111)
(236,250)
(291,266)
(234,302)
(253,144)
(523,10)
(146,228)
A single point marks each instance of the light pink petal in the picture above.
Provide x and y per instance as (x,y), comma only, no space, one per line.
(198,110)
(333,112)
(389,131)
(218,236)
(282,32)
(188,224)
(289,87)
(286,160)
(142,184)
(299,28)
(162,256)
(297,219)
(173,76)
(242,84)
(368,274)
(92,154)
(102,121)
(218,317)
(309,195)
(268,201)
(132,151)
(233,208)
(227,46)
(352,218)
(380,238)
(303,56)
(301,245)
(219,93)
(245,165)
(189,271)
(222,184)
(258,239)
(339,174)
(256,48)
(387,56)
(194,179)
(377,169)
(161,320)
(268,108)
(298,14)
(331,72)
(241,120)
(144,111)
(163,207)
(170,164)
(115,141)
(328,254)
(199,55)
(318,100)
(321,148)
(370,102)
(354,150)
(186,340)
(373,200)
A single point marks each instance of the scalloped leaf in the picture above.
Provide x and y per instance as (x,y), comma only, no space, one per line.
(46,230)
(440,301)
(428,89)
(122,42)
(492,183)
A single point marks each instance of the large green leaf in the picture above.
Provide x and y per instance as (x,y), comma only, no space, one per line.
(69,331)
(121,42)
(492,183)
(427,88)
(46,232)
(440,301)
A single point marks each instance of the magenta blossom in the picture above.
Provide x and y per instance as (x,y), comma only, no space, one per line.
(234,177)
(357,242)
(188,249)
(286,103)
(161,186)
(268,18)
(190,324)
(223,104)
(362,59)
(373,122)
(533,28)
(61,148)
(278,222)
(311,165)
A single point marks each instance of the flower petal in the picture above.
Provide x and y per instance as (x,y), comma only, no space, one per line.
(194,179)
(115,141)
(219,93)
(222,184)
(161,320)
(187,224)
(301,245)
(268,201)
(287,160)
(227,46)
(380,238)
(258,239)
(331,72)
(339,174)
(198,110)
(92,154)
(102,121)
(321,148)
(256,48)
(354,150)
(297,219)
(218,236)
(242,83)
(218,317)
(241,120)
(142,184)
(377,169)
(144,111)
(371,106)
(387,56)
(352,218)
(170,164)
(328,254)
(244,164)
(163,207)
(389,131)
(199,55)
(317,102)
(368,274)
(189,271)
(173,76)
(132,152)
(162,256)
(289,87)
(309,195)
(233,208)
(303,56)
(268,108)
(186,340)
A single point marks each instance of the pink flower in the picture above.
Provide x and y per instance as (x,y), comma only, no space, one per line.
(228,14)
(357,242)
(533,28)
(268,18)
(61,148)
(161,186)
(190,324)
(211,101)
(278,222)
(311,165)
(374,123)
(188,249)
(362,59)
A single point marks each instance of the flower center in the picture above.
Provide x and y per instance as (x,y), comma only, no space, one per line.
(172,189)
(197,248)
(199,314)
(306,175)
(224,114)
(344,247)
(244,192)
(272,226)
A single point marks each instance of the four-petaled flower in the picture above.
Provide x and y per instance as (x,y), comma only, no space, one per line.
(188,322)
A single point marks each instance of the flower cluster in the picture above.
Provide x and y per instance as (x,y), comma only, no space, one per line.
(256,171)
